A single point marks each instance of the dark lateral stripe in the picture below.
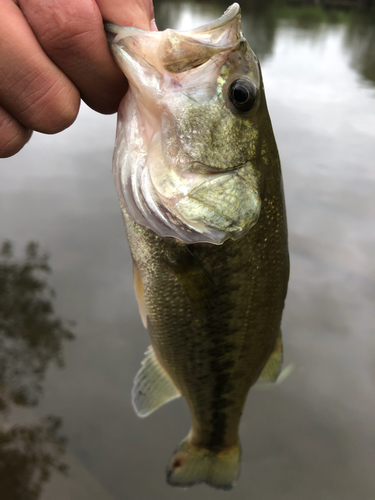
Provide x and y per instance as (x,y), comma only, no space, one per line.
(221,399)
(217,309)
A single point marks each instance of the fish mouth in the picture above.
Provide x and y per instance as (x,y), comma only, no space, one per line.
(145,54)
(232,12)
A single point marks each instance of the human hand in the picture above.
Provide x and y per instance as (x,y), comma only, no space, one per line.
(52,54)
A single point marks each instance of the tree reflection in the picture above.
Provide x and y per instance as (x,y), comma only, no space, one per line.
(360,41)
(27,457)
(31,337)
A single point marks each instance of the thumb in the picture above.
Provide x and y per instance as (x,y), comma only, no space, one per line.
(137,13)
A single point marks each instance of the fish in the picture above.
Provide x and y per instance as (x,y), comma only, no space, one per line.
(198,177)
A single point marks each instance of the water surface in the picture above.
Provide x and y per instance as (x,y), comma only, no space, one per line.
(311,437)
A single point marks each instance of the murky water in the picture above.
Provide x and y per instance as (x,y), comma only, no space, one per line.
(311,437)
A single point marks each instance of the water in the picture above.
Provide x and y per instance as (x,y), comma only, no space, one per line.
(313,436)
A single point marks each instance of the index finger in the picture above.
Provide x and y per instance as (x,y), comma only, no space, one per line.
(71,33)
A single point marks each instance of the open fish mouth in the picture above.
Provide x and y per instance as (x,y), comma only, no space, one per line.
(213,31)
(182,166)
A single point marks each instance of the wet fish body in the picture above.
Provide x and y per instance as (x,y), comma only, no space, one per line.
(199,182)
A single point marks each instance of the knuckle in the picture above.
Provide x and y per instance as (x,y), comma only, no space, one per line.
(69,23)
(65,109)
(56,109)
(59,41)
(13,136)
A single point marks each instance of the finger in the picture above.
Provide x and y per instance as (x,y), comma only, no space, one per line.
(13,135)
(137,13)
(72,35)
(32,89)
(153,26)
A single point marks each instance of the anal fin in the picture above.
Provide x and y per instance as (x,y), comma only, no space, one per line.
(152,386)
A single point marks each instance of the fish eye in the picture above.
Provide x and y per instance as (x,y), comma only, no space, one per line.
(242,94)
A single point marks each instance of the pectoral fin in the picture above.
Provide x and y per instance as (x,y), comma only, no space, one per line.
(152,386)
(272,369)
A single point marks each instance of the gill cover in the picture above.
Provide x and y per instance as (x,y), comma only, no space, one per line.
(185,162)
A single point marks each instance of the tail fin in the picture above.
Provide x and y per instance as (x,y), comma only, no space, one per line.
(192,465)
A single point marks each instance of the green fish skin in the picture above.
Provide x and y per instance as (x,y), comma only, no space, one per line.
(198,175)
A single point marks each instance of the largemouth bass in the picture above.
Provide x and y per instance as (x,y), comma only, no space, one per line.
(198,177)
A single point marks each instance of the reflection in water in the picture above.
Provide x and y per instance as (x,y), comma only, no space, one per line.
(360,41)
(359,26)
(28,455)
(31,338)
(31,335)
